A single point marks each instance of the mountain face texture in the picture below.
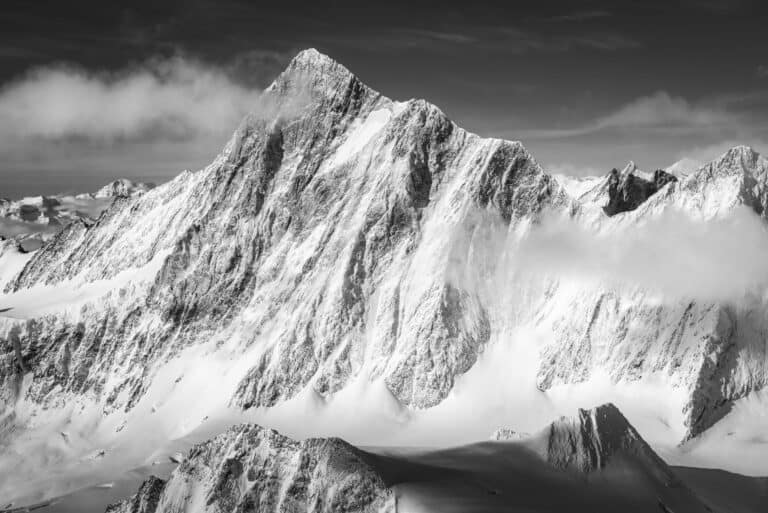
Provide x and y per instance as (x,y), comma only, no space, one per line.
(587,442)
(716,352)
(627,190)
(122,187)
(325,238)
(30,222)
(252,469)
(595,461)
(601,444)
(341,235)
(144,501)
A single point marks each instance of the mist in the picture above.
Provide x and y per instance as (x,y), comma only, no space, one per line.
(173,99)
(66,129)
(717,260)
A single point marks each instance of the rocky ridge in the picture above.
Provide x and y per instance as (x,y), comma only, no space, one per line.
(380,189)
(249,468)
(588,441)
(342,235)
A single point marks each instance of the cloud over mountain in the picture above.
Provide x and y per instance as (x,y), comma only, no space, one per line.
(174,98)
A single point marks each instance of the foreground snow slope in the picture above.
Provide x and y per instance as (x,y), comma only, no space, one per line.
(595,461)
(341,242)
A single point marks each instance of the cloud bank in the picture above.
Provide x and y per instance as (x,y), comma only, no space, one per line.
(170,99)
(718,260)
(67,129)
(659,113)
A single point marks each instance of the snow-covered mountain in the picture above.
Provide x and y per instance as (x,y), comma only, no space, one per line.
(594,461)
(340,242)
(33,220)
(250,468)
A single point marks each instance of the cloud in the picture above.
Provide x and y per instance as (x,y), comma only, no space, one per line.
(660,112)
(172,99)
(573,170)
(762,71)
(67,129)
(715,260)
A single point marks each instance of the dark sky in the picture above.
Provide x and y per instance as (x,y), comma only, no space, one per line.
(95,90)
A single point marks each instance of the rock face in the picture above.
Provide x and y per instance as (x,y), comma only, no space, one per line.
(627,190)
(587,442)
(333,198)
(600,446)
(123,187)
(252,469)
(333,240)
(144,501)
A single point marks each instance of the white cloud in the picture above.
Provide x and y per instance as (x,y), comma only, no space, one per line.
(661,110)
(660,113)
(715,260)
(69,129)
(568,169)
(173,99)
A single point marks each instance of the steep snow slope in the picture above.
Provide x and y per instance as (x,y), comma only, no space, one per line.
(341,242)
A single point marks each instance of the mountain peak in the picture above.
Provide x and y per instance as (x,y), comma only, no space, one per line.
(737,159)
(311,57)
(588,441)
(314,74)
(742,150)
(311,62)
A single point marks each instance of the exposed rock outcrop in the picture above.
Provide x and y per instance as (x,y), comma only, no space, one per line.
(252,469)
(587,442)
(627,190)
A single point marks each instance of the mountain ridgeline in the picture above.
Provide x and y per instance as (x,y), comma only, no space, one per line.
(595,461)
(323,245)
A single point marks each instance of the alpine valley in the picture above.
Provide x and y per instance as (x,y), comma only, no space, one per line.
(339,312)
